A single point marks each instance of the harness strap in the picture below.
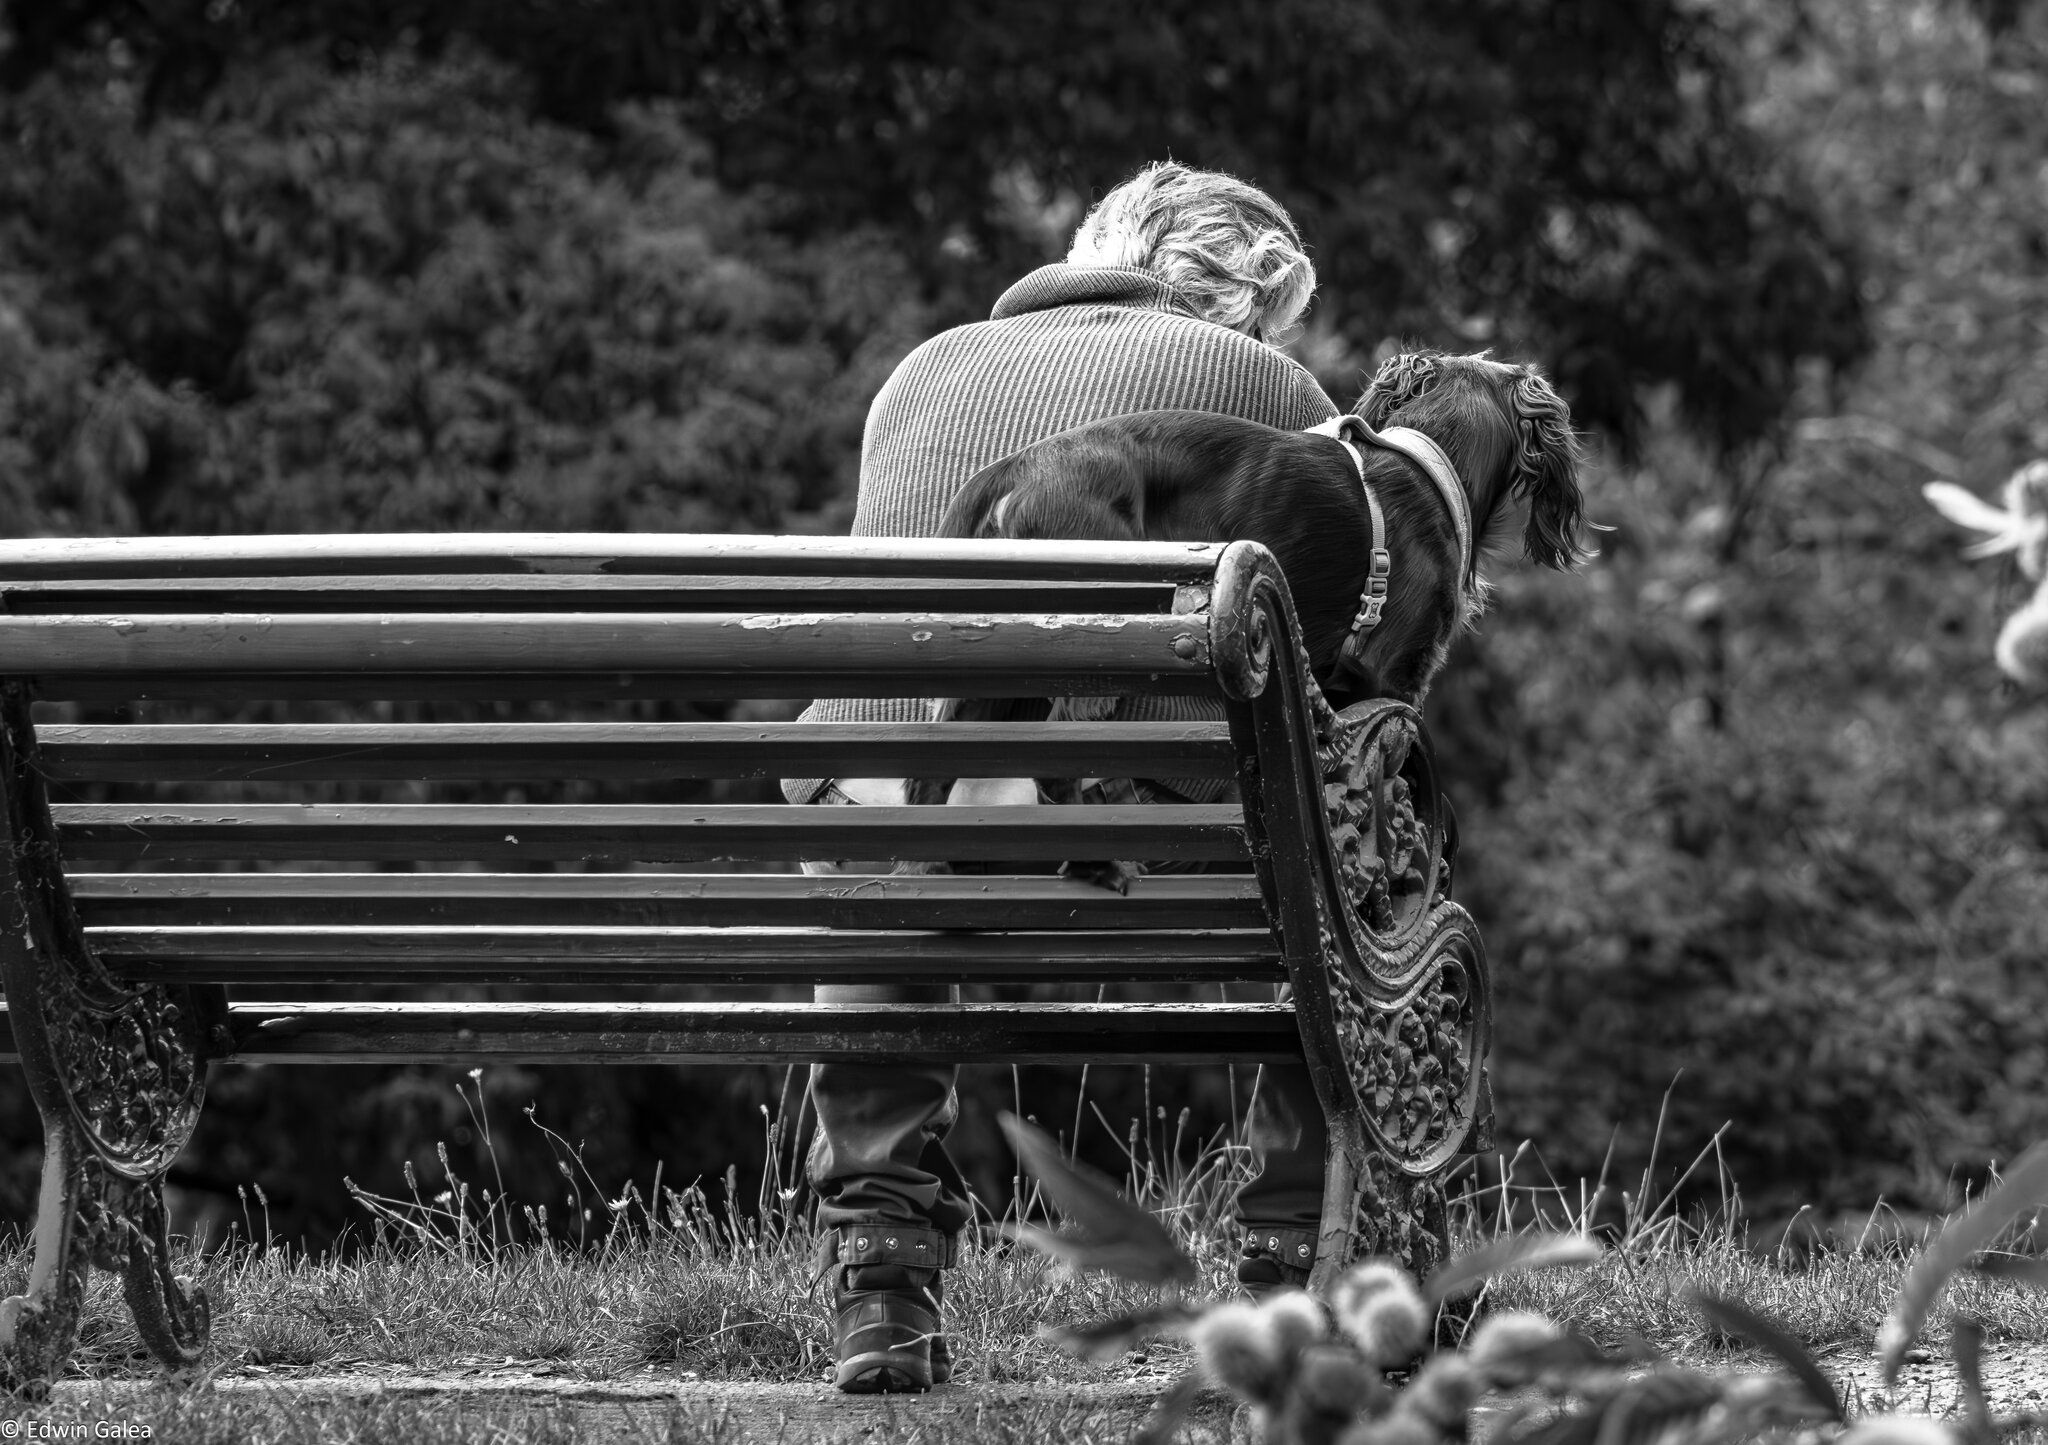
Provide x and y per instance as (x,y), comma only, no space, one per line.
(1419,448)
(1380,562)
(1425,453)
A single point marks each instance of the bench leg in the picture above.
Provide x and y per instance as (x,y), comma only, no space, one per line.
(1373,1209)
(118,1072)
(87,1215)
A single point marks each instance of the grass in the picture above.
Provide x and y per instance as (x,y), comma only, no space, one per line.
(1830,1299)
(674,1298)
(671,1292)
(670,1305)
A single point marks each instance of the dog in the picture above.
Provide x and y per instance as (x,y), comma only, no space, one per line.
(1380,531)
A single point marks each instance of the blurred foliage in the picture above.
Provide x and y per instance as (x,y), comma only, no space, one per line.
(1746,799)
(1568,177)
(1750,798)
(389,299)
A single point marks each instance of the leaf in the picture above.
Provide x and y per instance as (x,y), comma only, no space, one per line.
(1649,1407)
(2024,1188)
(1108,1338)
(1508,1256)
(1114,1235)
(1566,1353)
(2031,1272)
(1734,1318)
(1168,1412)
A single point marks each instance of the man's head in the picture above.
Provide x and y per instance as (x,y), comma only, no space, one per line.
(1227,248)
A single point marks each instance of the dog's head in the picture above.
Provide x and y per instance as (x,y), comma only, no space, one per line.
(1505,430)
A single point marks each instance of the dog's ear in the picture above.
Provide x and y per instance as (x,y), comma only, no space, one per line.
(1546,472)
(1399,381)
(976,509)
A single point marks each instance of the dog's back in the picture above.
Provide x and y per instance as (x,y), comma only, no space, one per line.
(1187,476)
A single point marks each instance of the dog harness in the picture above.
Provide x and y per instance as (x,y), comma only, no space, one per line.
(1348,431)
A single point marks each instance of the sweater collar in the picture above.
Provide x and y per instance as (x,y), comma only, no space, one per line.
(1064,285)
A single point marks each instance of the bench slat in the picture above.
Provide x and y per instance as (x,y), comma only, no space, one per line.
(662,900)
(566,1033)
(350,954)
(766,1033)
(114,688)
(602,553)
(539,592)
(908,646)
(644,832)
(518,751)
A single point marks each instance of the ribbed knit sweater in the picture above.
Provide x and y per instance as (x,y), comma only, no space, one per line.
(1064,346)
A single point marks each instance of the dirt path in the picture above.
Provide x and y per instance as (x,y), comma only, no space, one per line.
(2015,1381)
(740,1412)
(730,1412)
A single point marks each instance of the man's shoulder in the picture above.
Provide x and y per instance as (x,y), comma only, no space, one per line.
(1105,332)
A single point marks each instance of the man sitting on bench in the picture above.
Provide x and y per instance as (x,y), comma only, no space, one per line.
(1177,290)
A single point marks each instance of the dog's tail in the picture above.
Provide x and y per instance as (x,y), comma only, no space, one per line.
(977,508)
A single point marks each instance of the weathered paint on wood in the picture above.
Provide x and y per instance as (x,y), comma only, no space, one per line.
(520,751)
(826,645)
(387,900)
(543,592)
(654,833)
(565,685)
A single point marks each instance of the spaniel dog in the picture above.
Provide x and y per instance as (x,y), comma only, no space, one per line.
(1378,519)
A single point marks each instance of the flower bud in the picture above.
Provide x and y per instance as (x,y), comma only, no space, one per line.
(1378,1305)
(1442,1393)
(1502,1345)
(1297,1320)
(1240,1350)
(1334,1380)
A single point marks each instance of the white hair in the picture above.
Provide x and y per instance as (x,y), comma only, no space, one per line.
(1228,249)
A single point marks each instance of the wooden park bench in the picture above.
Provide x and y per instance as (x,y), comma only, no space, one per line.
(220,861)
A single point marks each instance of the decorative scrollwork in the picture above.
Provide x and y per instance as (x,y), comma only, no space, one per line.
(1414,1062)
(118,1073)
(134,1075)
(1401,1217)
(1241,628)
(1384,815)
(1353,841)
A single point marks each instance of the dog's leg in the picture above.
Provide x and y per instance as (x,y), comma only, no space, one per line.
(1115,875)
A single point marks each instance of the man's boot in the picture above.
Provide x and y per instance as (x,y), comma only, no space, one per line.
(1270,1260)
(886,1302)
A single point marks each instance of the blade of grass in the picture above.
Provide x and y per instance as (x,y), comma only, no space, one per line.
(1735,1318)
(2024,1188)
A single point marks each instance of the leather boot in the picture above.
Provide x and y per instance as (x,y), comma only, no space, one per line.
(1270,1260)
(886,1303)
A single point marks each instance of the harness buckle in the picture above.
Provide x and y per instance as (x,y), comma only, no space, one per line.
(1374,600)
